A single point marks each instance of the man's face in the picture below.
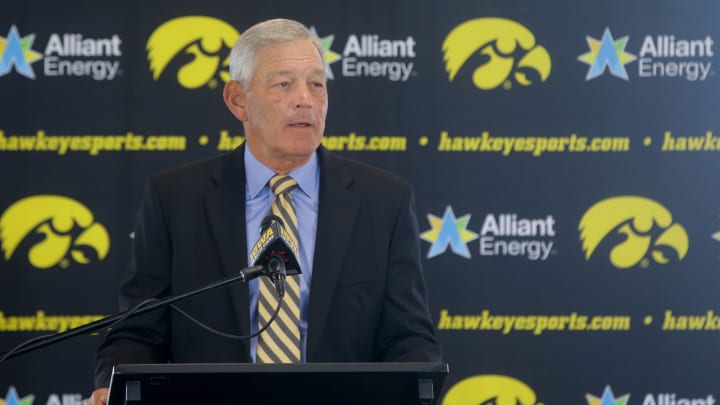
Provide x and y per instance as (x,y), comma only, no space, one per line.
(285,103)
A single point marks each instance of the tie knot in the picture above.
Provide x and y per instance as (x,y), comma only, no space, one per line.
(280,184)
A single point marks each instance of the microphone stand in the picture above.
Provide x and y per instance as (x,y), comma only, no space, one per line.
(244,275)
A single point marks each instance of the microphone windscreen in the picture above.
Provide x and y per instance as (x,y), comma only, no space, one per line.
(275,240)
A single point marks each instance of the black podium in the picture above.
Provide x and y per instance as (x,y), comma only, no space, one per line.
(312,383)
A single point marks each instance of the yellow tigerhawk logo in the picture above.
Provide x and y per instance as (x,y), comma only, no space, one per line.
(202,44)
(497,40)
(645,227)
(52,229)
(490,389)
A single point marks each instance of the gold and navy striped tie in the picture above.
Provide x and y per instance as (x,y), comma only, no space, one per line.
(280,343)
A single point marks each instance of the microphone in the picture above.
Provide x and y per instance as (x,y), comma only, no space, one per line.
(276,250)
(276,271)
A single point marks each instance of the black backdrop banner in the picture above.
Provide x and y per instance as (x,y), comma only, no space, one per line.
(563,154)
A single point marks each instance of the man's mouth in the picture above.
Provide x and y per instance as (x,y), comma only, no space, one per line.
(300,124)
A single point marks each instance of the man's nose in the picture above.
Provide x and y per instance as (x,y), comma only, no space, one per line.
(303,97)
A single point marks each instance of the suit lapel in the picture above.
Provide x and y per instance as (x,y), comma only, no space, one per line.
(225,207)
(337,212)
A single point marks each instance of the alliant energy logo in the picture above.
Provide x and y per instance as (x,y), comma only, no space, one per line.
(16,53)
(511,235)
(12,398)
(369,55)
(634,230)
(52,230)
(197,48)
(659,56)
(330,56)
(505,51)
(607,54)
(667,56)
(505,234)
(65,399)
(74,55)
(448,231)
(490,389)
(372,56)
(675,399)
(607,398)
(65,55)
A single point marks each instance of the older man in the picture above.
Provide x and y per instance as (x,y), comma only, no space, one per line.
(360,296)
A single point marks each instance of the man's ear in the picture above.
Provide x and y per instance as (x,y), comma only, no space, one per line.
(234,96)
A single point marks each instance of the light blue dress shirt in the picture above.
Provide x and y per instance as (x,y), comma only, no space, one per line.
(258,200)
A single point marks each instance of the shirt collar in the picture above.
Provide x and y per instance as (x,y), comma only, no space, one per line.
(257,175)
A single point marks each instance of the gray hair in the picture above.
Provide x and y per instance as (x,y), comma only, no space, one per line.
(267,33)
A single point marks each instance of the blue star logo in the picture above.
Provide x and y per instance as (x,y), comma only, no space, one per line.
(448,231)
(607,54)
(330,56)
(608,398)
(12,398)
(16,51)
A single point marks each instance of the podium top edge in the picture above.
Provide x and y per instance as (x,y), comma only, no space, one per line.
(173,368)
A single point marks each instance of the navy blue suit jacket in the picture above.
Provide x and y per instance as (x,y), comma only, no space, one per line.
(367,296)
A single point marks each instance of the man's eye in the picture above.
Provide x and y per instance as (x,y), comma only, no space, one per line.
(283,84)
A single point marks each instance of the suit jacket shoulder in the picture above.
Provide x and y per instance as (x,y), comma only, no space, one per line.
(366,179)
(194,175)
